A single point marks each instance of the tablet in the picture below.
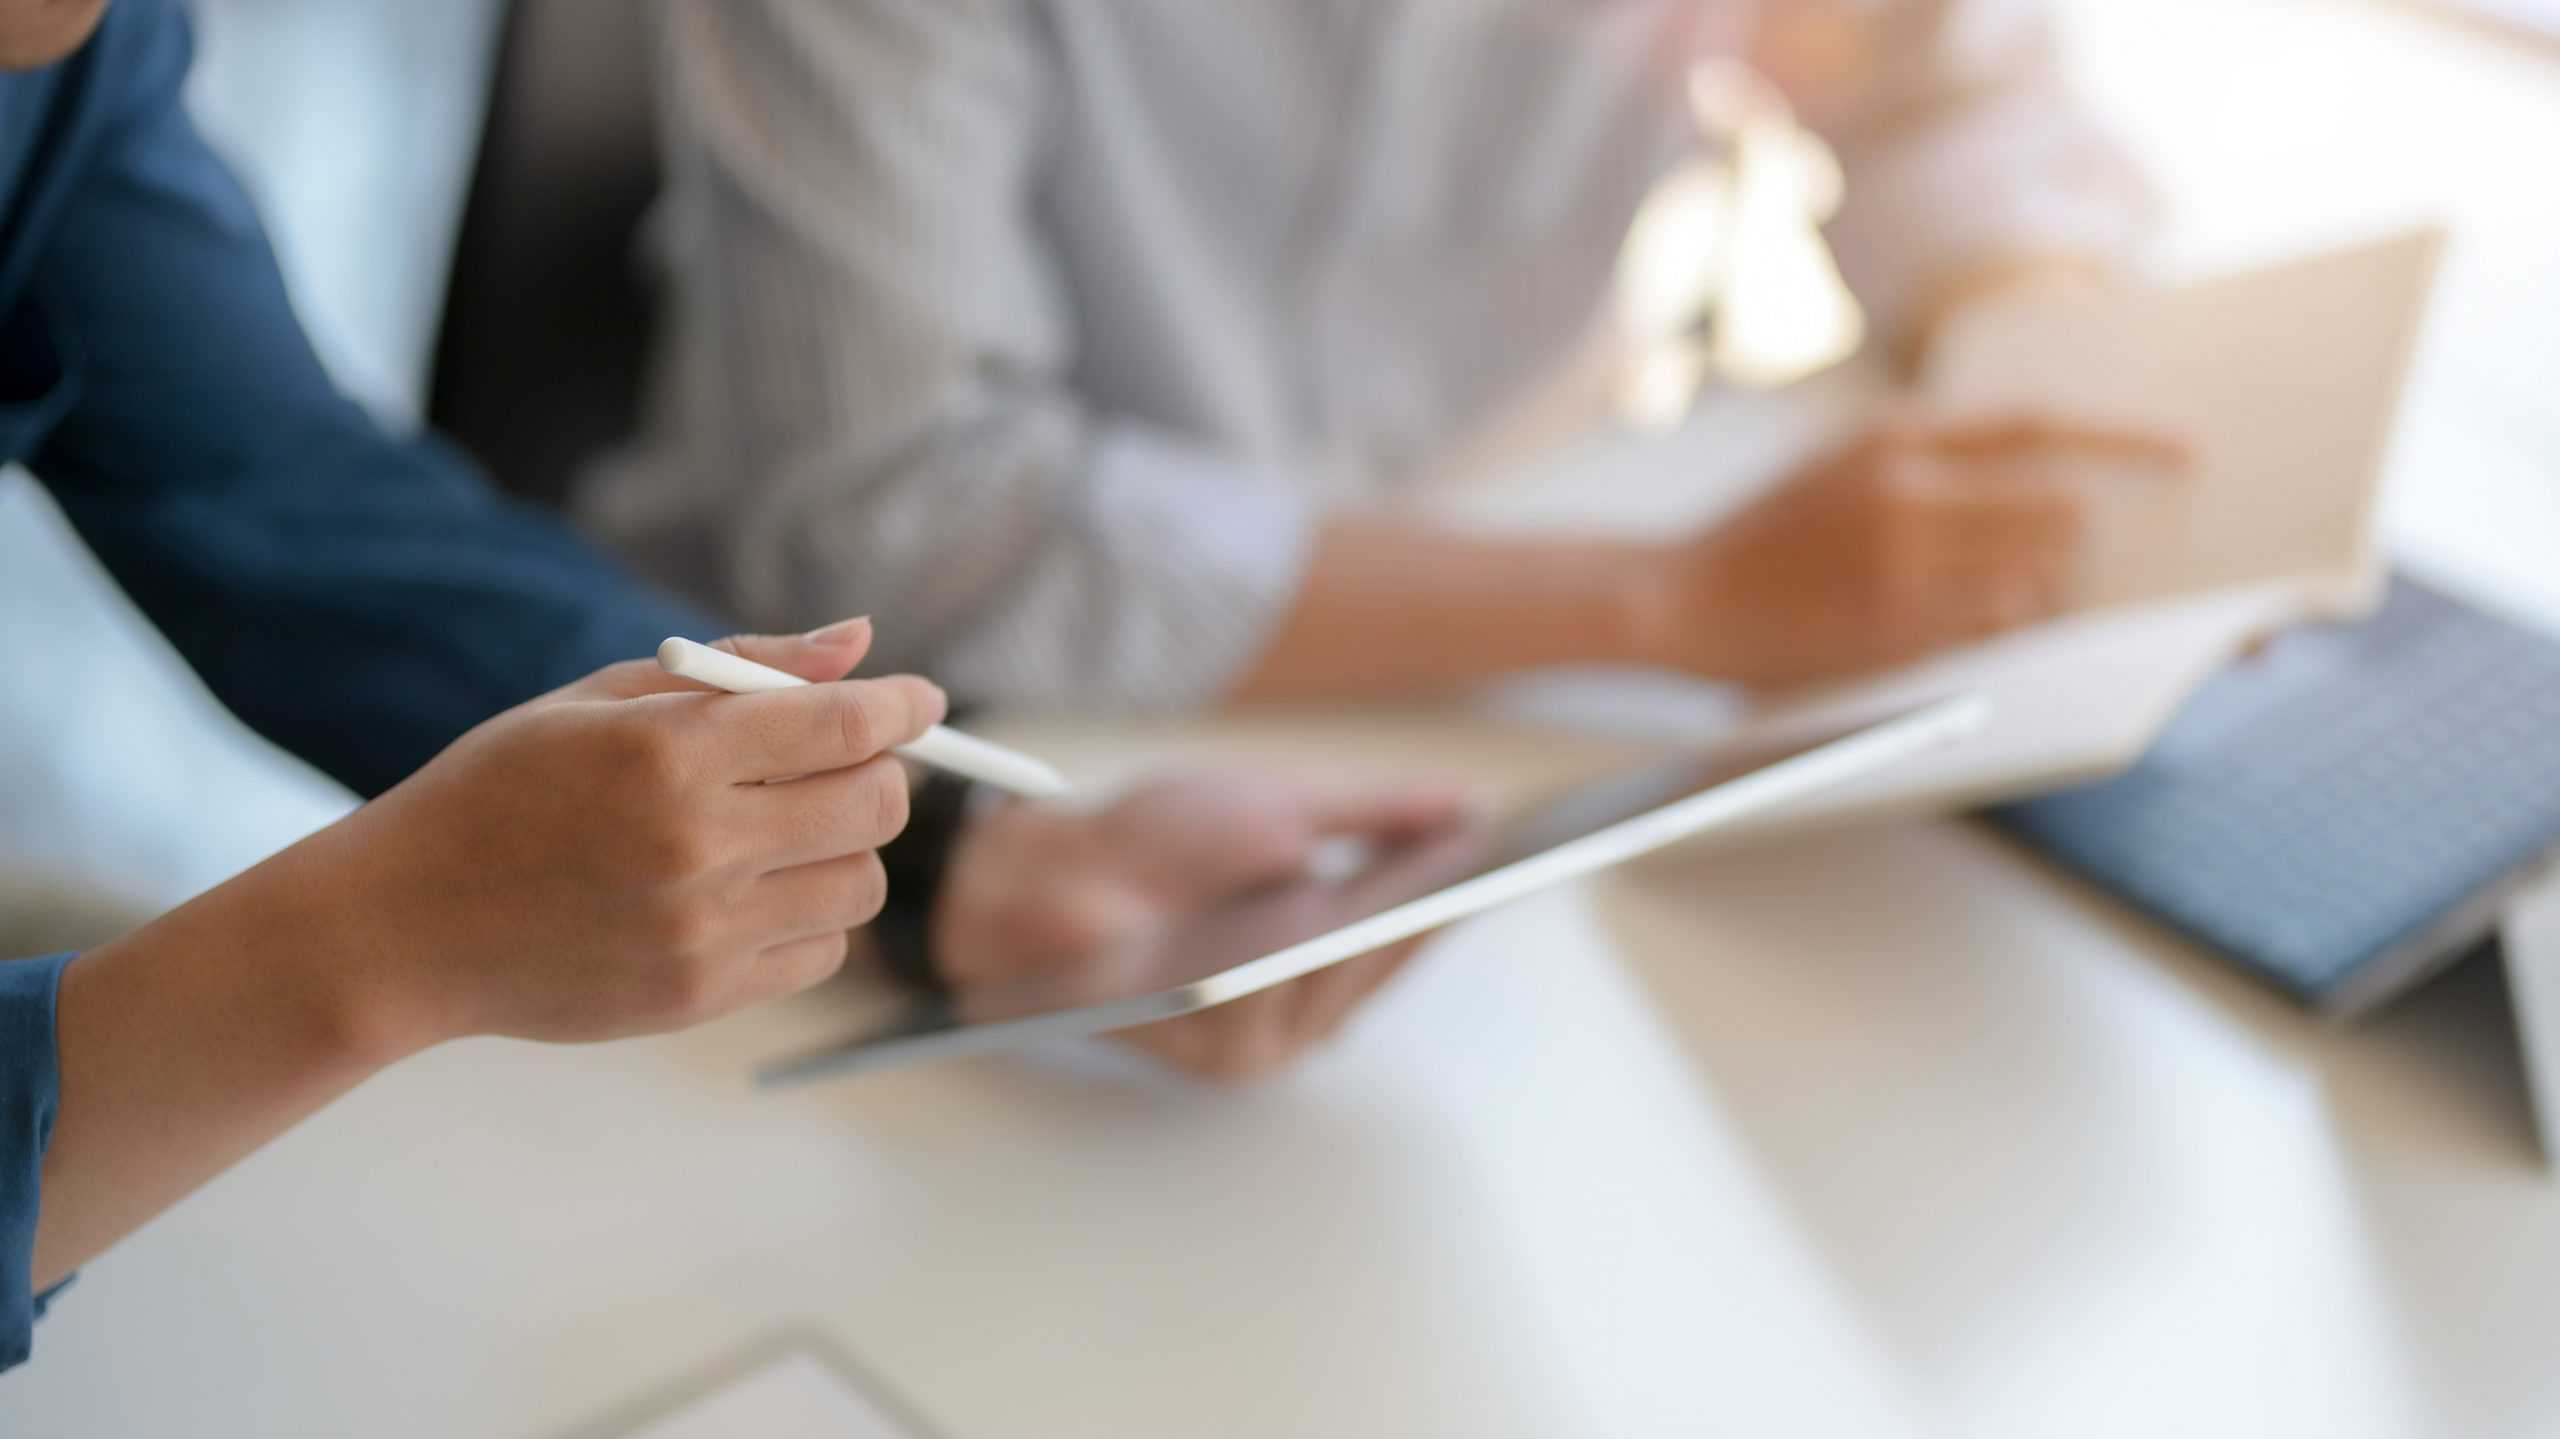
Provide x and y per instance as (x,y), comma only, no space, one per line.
(1278,934)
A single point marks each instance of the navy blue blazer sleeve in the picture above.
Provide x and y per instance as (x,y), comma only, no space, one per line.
(28,1096)
(358,598)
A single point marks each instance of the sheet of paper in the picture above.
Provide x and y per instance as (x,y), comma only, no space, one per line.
(2286,379)
(797,1396)
(2071,702)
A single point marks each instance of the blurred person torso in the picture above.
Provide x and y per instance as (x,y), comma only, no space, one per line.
(1338,233)
(1319,240)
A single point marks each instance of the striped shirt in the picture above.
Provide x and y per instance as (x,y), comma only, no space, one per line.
(1048,330)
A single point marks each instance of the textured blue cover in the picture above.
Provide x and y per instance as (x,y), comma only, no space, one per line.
(2312,810)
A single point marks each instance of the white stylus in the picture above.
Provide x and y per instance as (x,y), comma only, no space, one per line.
(963,755)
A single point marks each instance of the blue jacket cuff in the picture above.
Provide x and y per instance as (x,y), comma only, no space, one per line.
(30,1092)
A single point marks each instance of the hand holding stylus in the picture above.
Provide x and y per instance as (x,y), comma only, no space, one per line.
(940,747)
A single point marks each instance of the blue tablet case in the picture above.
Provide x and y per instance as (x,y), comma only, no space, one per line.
(2344,813)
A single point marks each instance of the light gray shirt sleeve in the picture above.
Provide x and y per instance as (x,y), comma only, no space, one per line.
(1044,329)
(1964,146)
(874,381)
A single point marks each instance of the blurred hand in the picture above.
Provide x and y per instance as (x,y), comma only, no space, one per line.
(1032,890)
(611,859)
(1922,534)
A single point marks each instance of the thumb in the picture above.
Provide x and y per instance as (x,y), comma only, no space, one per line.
(818,656)
(1388,815)
(1291,841)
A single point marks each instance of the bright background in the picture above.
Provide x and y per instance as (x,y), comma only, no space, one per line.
(2392,1269)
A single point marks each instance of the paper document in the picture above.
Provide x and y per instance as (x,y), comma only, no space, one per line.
(2287,379)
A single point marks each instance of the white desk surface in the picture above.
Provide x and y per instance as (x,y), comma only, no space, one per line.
(1883,1132)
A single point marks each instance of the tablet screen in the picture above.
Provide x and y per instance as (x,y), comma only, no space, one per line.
(1271,935)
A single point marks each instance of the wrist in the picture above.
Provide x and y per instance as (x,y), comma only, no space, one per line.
(1605,603)
(240,958)
(185,1045)
(331,960)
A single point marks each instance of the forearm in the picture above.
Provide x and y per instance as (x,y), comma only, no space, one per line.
(627,856)
(1392,610)
(187,1045)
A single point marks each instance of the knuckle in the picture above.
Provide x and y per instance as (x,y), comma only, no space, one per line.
(647,752)
(693,989)
(857,723)
(685,930)
(867,890)
(927,704)
(677,848)
(828,958)
(696,929)
(885,798)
